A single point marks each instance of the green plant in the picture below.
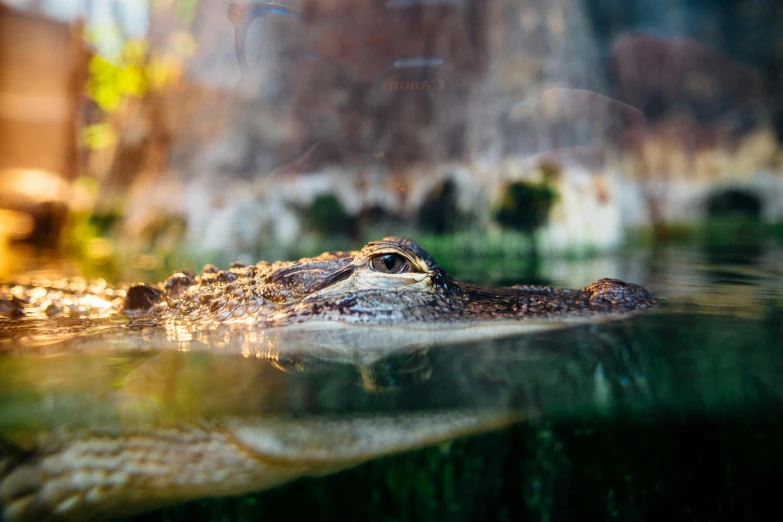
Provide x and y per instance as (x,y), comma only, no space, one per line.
(326,216)
(439,213)
(525,206)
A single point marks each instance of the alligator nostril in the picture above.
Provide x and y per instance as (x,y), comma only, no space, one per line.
(140,298)
(607,286)
(177,284)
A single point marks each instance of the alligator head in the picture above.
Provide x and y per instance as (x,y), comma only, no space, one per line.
(367,295)
(389,282)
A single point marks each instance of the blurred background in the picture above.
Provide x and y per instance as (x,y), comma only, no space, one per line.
(142,136)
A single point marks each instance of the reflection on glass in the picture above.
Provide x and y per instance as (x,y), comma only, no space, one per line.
(355,103)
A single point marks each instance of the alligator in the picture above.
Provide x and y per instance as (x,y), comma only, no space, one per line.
(388,295)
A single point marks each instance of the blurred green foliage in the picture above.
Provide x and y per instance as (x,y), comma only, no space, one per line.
(131,74)
(186,10)
(439,213)
(725,233)
(525,205)
(327,217)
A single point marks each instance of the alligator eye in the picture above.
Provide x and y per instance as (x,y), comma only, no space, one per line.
(390,264)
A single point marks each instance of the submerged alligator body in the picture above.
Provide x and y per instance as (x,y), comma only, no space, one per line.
(100,474)
(388,284)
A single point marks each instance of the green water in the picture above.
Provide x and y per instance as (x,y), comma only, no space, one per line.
(672,415)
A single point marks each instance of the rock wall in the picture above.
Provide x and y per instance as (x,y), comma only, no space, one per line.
(642,123)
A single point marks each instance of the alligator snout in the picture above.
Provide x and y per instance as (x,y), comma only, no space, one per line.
(616,293)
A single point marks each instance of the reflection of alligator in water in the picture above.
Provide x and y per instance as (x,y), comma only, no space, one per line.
(387,284)
(99,474)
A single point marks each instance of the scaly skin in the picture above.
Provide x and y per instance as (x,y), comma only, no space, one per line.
(97,474)
(329,292)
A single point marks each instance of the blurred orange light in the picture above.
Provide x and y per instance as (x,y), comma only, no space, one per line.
(15,225)
(35,185)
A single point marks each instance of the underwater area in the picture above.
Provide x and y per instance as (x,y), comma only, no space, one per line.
(675,413)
